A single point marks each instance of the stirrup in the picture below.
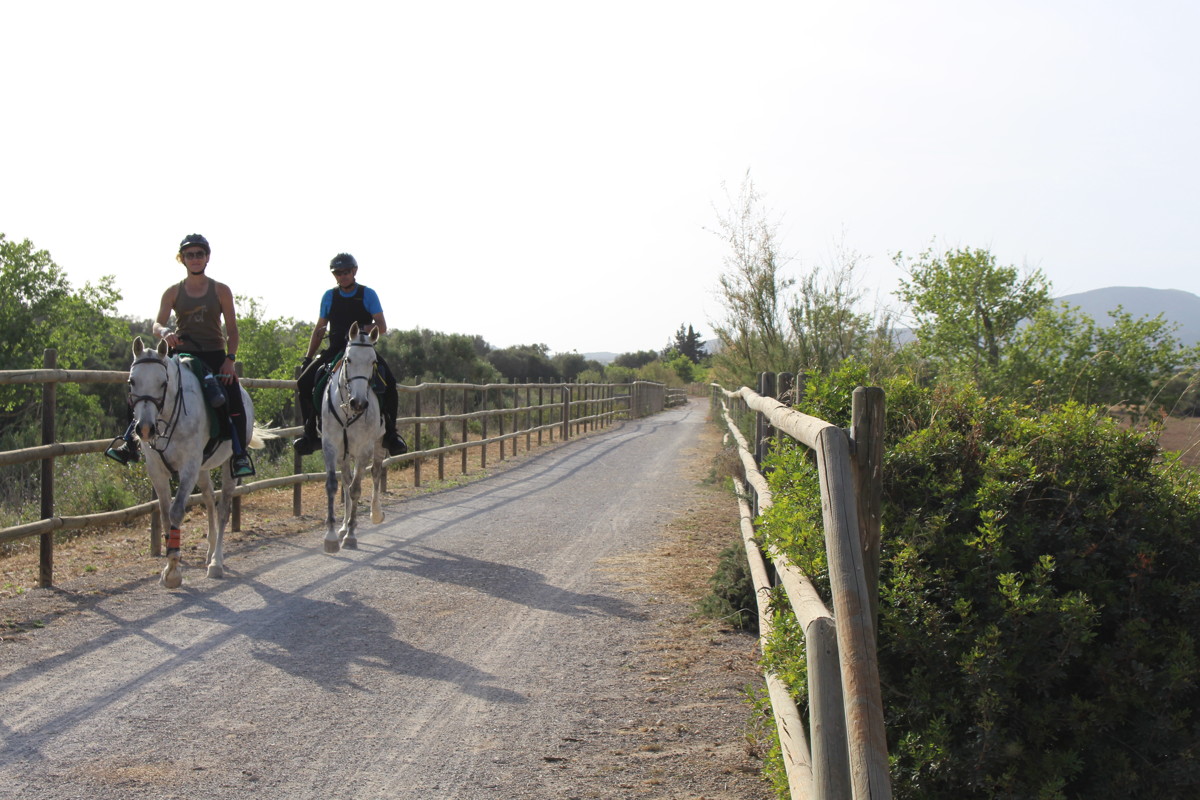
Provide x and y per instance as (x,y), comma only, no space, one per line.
(123,453)
(242,465)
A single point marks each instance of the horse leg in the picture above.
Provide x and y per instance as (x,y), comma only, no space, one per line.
(352,481)
(377,486)
(172,573)
(217,515)
(331,487)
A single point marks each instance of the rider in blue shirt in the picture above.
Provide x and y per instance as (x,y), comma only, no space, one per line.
(341,307)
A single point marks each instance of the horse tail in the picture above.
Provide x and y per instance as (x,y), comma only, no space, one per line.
(260,436)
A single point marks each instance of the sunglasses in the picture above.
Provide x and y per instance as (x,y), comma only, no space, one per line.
(195,254)
(340,272)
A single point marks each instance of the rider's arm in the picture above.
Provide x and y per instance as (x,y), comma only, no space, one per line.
(225,296)
(379,323)
(161,329)
(314,342)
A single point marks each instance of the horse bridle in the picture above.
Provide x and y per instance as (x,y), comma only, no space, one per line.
(163,430)
(343,386)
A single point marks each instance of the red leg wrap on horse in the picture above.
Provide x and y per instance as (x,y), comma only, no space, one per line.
(173,539)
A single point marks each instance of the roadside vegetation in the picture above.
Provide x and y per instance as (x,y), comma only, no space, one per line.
(1039,592)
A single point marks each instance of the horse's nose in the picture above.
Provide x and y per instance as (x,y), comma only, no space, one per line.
(358,404)
(145,430)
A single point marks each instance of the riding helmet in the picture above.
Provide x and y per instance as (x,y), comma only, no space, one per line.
(195,240)
(343,261)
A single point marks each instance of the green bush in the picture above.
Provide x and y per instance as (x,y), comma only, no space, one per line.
(732,596)
(1039,598)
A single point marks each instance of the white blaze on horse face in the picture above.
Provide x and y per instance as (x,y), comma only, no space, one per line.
(147,391)
(358,368)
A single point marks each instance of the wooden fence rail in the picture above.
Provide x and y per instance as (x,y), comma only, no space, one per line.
(559,409)
(848,752)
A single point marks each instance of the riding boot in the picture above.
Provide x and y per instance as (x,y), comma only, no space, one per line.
(310,441)
(392,441)
(126,452)
(241,464)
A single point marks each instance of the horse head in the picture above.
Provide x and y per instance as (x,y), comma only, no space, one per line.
(148,387)
(358,367)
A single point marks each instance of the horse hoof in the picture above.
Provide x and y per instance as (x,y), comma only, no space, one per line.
(172,575)
(350,543)
(331,546)
(377,518)
(215,571)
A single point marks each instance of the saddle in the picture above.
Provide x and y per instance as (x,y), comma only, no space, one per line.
(219,428)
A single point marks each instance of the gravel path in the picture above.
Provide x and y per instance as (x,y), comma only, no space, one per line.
(486,641)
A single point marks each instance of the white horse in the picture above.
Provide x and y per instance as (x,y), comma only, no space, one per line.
(171,419)
(351,437)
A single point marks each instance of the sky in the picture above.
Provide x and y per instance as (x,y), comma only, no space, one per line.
(554,172)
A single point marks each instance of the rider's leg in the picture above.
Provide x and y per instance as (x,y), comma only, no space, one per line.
(309,441)
(392,440)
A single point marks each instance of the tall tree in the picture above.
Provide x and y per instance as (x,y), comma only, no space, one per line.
(688,343)
(38,310)
(753,334)
(968,309)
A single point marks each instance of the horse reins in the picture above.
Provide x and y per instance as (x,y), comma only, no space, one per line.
(168,429)
(342,387)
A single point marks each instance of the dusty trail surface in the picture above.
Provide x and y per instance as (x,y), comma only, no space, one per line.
(495,640)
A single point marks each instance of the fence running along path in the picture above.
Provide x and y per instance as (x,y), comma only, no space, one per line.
(848,752)
(517,410)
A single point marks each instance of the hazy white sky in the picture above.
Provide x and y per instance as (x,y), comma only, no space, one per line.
(550,172)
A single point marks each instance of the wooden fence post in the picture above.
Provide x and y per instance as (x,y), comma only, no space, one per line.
(566,411)
(417,436)
(235,517)
(297,459)
(49,408)
(762,428)
(867,414)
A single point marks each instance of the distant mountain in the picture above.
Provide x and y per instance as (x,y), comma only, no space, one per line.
(604,358)
(1180,307)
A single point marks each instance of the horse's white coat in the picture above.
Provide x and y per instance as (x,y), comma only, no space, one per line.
(351,438)
(171,420)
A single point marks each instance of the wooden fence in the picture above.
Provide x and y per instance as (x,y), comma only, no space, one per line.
(441,411)
(848,752)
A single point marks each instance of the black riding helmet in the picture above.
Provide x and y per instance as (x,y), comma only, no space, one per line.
(343,261)
(195,240)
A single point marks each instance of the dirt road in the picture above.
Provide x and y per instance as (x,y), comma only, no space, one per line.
(488,641)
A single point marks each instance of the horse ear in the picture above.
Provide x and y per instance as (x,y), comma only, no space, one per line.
(353,330)
(374,335)
(163,348)
(138,346)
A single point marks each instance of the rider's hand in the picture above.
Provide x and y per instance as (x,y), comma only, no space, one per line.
(227,376)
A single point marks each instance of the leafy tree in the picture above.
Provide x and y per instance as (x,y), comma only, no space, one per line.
(421,355)
(683,367)
(270,348)
(968,309)
(635,360)
(40,310)
(828,325)
(753,334)
(1062,354)
(527,362)
(774,323)
(689,344)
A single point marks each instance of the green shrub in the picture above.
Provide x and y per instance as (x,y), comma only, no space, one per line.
(732,596)
(1039,598)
